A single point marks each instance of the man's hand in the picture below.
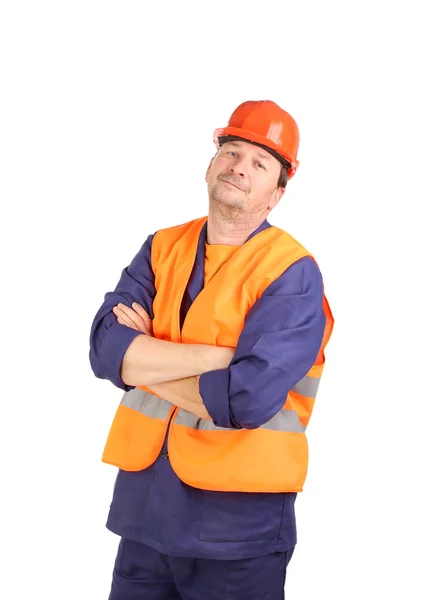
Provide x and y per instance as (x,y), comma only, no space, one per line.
(184,393)
(136,318)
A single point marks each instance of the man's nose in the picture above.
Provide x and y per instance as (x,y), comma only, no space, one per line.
(239,167)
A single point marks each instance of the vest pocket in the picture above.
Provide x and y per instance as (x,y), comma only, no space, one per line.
(240,516)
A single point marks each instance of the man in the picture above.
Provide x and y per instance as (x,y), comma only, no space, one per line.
(216,332)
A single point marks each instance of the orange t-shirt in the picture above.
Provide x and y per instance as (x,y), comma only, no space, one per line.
(215,257)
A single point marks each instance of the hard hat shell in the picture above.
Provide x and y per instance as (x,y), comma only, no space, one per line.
(265,123)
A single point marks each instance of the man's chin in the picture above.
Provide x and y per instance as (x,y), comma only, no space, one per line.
(228,200)
(225,194)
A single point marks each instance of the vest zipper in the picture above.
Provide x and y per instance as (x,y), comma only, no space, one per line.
(166,432)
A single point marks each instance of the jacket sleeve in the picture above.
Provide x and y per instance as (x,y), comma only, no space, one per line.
(280,341)
(108,339)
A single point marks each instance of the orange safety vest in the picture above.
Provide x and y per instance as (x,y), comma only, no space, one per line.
(271,458)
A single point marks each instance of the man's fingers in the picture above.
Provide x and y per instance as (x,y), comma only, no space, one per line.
(132,319)
(123,318)
(143,314)
(127,324)
(133,316)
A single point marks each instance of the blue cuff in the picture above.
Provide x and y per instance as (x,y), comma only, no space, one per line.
(214,389)
(118,339)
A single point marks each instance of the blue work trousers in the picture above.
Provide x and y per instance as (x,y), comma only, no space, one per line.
(142,573)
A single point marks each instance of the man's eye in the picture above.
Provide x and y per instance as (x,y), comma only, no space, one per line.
(232,153)
(260,165)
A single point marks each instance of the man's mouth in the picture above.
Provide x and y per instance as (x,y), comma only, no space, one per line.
(230,183)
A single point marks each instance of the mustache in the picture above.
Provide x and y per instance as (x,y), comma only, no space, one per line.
(235,180)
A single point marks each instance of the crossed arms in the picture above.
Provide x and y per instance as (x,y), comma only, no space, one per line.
(168,369)
(279,343)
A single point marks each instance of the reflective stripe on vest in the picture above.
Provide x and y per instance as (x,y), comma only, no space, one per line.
(284,420)
(148,404)
(307,386)
(156,408)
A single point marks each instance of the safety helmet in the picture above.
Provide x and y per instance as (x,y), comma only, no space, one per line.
(264,123)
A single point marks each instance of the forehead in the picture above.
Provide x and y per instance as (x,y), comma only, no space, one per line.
(244,146)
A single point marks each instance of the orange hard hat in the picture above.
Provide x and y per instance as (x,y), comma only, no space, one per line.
(264,123)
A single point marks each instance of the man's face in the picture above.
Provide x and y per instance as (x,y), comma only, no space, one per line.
(244,177)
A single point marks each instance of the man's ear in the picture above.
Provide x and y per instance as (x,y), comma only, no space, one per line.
(209,168)
(276,197)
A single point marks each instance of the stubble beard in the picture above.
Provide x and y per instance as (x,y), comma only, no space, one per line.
(233,210)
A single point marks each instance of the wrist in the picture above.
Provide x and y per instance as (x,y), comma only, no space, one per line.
(220,357)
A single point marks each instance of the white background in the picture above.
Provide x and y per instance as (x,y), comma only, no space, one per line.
(107,114)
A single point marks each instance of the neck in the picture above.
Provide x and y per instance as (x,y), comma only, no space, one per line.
(231,233)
